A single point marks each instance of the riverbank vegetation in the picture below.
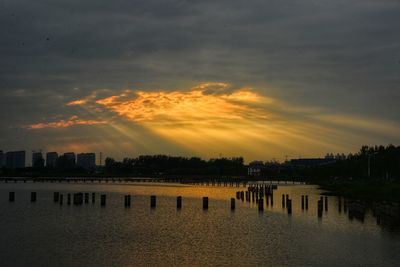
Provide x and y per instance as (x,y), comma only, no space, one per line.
(363,189)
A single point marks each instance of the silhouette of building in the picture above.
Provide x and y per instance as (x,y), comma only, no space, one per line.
(37,160)
(70,156)
(66,161)
(51,159)
(2,159)
(15,159)
(255,168)
(86,161)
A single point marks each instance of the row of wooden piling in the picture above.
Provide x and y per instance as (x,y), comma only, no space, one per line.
(233,183)
(256,193)
(80,198)
(287,202)
(92,180)
(214,182)
(320,205)
(223,183)
(304,202)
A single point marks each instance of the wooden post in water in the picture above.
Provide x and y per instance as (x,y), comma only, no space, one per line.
(232,204)
(61,199)
(33,196)
(56,196)
(247,196)
(86,198)
(260,204)
(179,202)
(11,196)
(320,207)
(289,206)
(127,201)
(205,203)
(302,202)
(238,195)
(153,201)
(283,200)
(93,197)
(69,199)
(78,199)
(103,200)
(242,195)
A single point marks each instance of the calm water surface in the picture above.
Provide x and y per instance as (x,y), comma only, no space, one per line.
(47,234)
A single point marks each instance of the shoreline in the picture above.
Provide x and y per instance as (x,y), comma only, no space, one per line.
(363,190)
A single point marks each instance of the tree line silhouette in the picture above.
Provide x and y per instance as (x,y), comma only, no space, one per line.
(169,165)
(370,162)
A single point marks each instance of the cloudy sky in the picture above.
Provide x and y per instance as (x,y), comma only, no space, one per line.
(261,79)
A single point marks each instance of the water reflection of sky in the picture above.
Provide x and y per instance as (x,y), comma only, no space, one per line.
(165,236)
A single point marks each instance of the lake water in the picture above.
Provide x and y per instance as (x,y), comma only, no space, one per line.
(45,233)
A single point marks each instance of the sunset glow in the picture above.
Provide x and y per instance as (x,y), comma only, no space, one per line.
(215,118)
(74,120)
(200,133)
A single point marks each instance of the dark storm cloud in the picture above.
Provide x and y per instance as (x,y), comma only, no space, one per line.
(340,55)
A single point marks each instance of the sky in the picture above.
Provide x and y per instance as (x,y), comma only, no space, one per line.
(262,79)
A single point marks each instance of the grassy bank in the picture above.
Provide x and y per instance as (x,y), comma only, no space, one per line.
(367,190)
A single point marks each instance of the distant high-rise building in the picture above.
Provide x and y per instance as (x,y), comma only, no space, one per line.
(2,159)
(51,159)
(86,160)
(15,159)
(37,160)
(66,161)
(70,156)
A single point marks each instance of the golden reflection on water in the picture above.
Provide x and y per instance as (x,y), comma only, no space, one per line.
(332,216)
(165,236)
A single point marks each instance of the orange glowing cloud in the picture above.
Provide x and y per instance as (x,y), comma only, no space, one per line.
(73,120)
(207,102)
(77,102)
(82,101)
